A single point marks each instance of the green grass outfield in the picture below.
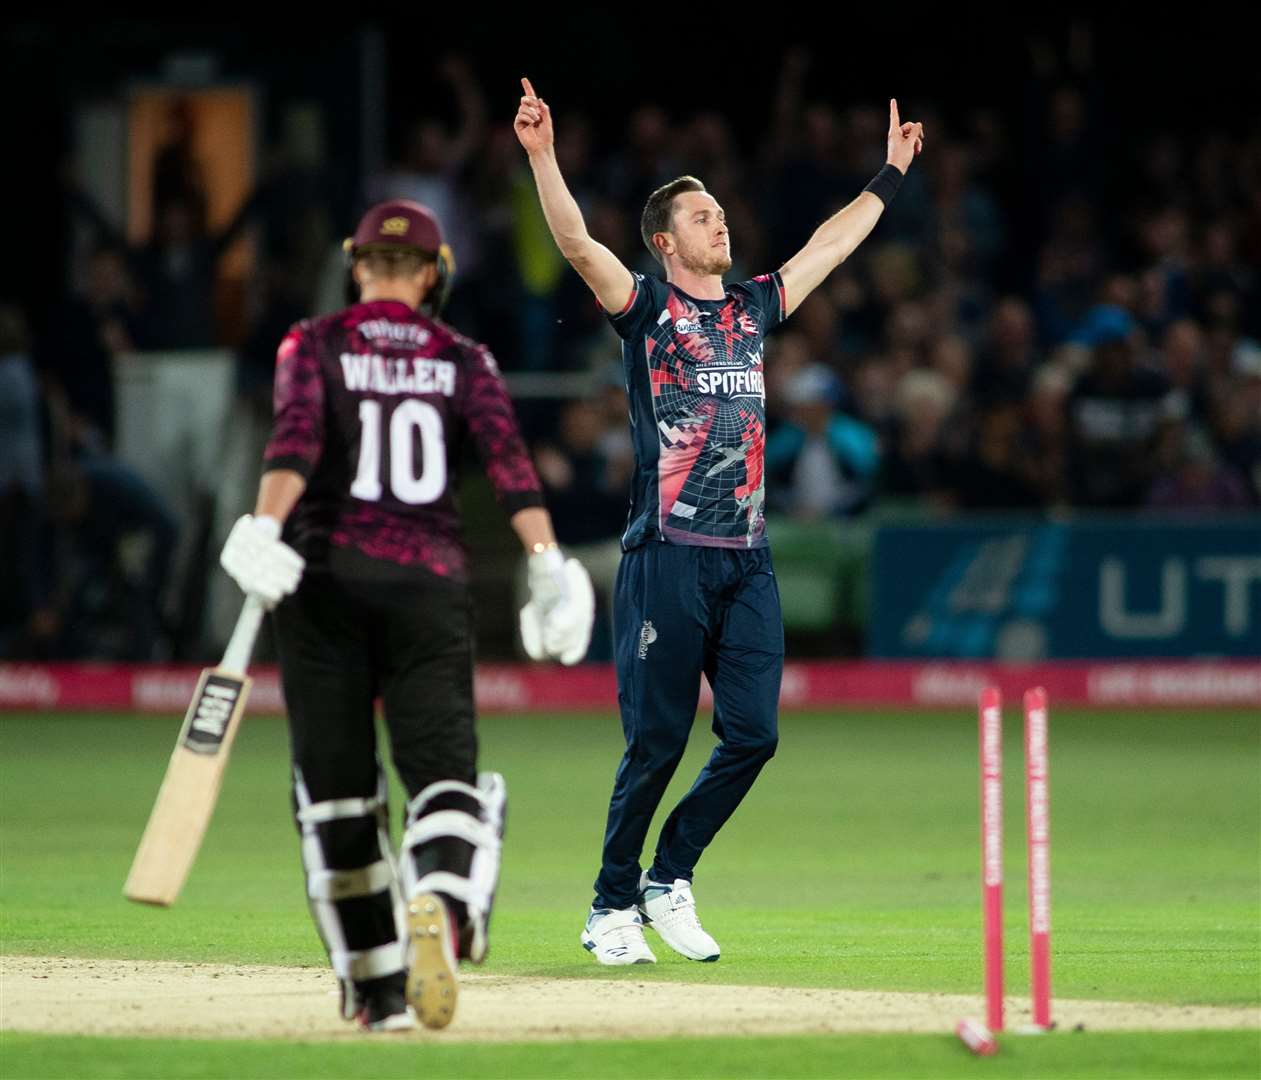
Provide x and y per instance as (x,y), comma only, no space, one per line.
(852,864)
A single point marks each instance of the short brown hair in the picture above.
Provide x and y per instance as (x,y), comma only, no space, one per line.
(660,208)
(396,262)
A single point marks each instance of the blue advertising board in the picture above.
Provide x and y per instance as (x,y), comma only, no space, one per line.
(1031,590)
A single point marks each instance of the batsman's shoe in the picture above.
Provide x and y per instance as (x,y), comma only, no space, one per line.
(671,911)
(616,937)
(381,1005)
(431,982)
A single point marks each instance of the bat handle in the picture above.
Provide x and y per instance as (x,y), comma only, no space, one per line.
(236,657)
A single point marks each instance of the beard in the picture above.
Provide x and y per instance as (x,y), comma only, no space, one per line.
(712,261)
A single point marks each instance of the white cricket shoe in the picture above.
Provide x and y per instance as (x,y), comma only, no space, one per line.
(616,937)
(671,911)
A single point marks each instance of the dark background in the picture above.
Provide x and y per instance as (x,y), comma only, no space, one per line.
(948,367)
(1149,76)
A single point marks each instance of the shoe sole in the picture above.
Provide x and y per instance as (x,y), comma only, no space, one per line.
(589,945)
(432,989)
(691,956)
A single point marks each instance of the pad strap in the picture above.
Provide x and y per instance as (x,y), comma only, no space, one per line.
(443,881)
(321,813)
(454,823)
(344,884)
(359,964)
(442,787)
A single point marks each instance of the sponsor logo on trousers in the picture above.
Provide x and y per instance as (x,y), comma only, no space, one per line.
(647,635)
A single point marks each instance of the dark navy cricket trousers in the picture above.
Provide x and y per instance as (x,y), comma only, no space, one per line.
(680,611)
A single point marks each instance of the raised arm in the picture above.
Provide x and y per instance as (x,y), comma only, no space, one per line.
(834,240)
(603,272)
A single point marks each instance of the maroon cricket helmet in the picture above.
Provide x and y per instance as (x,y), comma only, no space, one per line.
(397,223)
(401,223)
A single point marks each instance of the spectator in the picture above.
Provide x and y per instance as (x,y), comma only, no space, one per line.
(1069,267)
(93,326)
(586,506)
(820,463)
(951,357)
(804,158)
(1236,418)
(1192,478)
(614,444)
(907,333)
(114,542)
(816,321)
(873,392)
(647,161)
(1181,361)
(1045,434)
(175,271)
(997,473)
(1221,270)
(917,463)
(21,486)
(295,205)
(964,214)
(1164,286)
(177,172)
(1008,356)
(787,354)
(434,161)
(1114,412)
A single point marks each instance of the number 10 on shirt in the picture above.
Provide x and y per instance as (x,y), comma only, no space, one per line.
(409,419)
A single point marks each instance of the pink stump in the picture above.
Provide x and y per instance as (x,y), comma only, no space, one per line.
(1038,816)
(991,732)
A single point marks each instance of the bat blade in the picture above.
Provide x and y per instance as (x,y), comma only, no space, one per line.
(189,790)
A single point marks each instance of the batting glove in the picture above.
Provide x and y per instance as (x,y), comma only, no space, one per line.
(556,623)
(259,561)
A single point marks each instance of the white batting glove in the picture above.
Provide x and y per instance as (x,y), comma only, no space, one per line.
(556,623)
(259,561)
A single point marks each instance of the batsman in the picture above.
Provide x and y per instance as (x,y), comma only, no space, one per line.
(695,590)
(356,542)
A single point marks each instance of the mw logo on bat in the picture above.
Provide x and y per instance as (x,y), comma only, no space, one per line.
(211,714)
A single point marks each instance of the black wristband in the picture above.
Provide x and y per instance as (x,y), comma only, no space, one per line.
(885,184)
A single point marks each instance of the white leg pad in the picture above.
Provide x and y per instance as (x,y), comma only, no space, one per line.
(326,886)
(483,833)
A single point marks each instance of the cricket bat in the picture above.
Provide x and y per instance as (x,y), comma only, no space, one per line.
(190,788)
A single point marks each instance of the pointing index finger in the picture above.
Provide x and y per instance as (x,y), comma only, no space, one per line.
(529,90)
(894,123)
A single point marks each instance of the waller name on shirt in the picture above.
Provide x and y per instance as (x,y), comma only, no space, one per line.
(389,375)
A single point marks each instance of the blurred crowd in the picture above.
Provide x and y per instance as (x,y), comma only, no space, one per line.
(1040,323)
(1047,318)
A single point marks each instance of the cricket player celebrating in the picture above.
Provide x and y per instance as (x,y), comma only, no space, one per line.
(373,406)
(695,590)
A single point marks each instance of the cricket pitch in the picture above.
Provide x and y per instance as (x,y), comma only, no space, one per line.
(175,1000)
